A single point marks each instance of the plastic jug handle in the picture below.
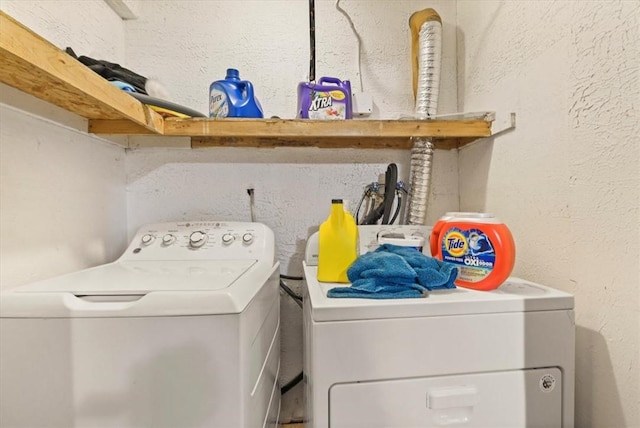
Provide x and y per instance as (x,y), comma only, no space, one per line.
(334,80)
(248,91)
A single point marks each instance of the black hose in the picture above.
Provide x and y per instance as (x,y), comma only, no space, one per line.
(292,278)
(298,299)
(374,215)
(384,209)
(390,180)
(364,195)
(291,293)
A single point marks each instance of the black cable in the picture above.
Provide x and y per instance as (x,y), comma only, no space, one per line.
(312,40)
(292,278)
(296,380)
(291,293)
(293,382)
(364,195)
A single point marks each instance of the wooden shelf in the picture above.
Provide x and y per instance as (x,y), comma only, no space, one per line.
(35,66)
(311,133)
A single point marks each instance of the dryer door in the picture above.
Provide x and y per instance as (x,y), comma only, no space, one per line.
(519,398)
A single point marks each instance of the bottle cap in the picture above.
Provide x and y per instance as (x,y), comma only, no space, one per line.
(232,73)
(336,201)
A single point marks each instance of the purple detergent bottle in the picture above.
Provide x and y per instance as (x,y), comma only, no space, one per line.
(329,99)
(233,97)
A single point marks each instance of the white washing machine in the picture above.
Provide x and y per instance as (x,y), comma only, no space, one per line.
(458,357)
(180,331)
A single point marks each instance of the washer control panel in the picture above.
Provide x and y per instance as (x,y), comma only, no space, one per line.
(202,240)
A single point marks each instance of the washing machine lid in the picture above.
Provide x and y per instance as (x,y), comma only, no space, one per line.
(515,295)
(141,288)
(141,277)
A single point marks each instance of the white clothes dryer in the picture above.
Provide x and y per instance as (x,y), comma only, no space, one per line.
(460,358)
(180,331)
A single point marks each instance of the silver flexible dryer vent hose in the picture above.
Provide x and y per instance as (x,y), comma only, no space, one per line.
(426,30)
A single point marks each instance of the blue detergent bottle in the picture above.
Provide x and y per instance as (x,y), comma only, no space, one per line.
(233,97)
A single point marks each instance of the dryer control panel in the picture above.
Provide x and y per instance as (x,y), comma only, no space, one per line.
(202,240)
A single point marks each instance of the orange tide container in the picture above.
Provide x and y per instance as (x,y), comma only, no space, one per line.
(480,246)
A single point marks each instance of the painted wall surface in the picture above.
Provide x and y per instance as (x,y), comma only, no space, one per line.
(188,45)
(567,180)
(62,198)
(90,27)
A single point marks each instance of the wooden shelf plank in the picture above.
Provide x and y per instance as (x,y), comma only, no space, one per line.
(302,129)
(329,142)
(364,134)
(121,127)
(318,129)
(35,66)
(369,134)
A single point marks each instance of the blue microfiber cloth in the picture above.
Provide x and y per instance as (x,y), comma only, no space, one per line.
(393,272)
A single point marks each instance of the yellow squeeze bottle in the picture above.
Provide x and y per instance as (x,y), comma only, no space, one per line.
(337,244)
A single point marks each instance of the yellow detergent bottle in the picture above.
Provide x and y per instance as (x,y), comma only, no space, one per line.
(337,244)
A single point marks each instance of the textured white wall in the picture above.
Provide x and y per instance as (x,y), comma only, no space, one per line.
(567,180)
(188,45)
(90,27)
(62,198)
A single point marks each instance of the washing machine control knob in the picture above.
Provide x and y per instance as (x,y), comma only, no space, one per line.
(147,239)
(247,238)
(168,239)
(227,238)
(197,239)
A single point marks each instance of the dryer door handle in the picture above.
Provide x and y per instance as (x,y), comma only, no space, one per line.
(452,397)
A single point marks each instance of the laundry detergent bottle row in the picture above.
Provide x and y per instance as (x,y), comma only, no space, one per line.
(480,245)
(337,244)
(232,97)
